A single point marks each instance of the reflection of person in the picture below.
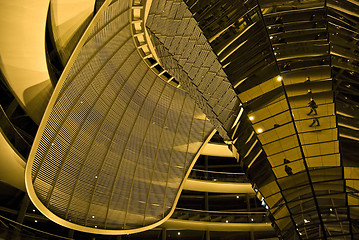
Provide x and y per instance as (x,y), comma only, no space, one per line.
(288,170)
(278,20)
(313,107)
(286,66)
(315,120)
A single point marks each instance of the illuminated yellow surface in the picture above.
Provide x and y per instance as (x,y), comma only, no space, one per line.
(12,166)
(217,187)
(22,51)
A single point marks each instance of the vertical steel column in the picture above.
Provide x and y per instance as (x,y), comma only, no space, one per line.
(206,204)
(24,204)
(16,234)
(71,233)
(164,234)
(251,234)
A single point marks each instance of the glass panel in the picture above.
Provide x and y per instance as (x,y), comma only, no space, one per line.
(325,135)
(301,89)
(281,145)
(341,237)
(260,89)
(323,187)
(352,173)
(296,193)
(321,149)
(287,170)
(282,212)
(275,199)
(302,101)
(325,123)
(312,232)
(301,113)
(283,222)
(352,186)
(273,107)
(291,155)
(335,214)
(270,189)
(337,228)
(324,161)
(317,73)
(304,205)
(326,174)
(274,133)
(283,7)
(327,201)
(294,181)
(353,200)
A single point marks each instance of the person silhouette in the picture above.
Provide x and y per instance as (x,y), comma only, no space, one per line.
(288,170)
(313,107)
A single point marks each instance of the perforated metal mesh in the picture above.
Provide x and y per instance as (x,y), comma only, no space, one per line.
(185,53)
(119,140)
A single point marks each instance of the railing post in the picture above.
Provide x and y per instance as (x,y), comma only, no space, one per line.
(251,234)
(206,203)
(208,237)
(206,167)
(24,204)
(71,233)
(163,234)
(20,217)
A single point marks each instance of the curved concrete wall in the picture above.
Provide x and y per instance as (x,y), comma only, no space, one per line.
(22,53)
(12,166)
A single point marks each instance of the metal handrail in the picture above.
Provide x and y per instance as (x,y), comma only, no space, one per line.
(220,212)
(39,234)
(12,134)
(218,176)
(201,170)
(220,216)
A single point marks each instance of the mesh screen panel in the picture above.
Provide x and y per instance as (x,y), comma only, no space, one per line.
(118,140)
(185,53)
